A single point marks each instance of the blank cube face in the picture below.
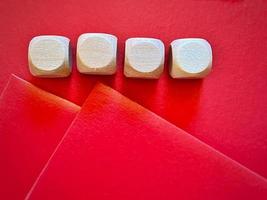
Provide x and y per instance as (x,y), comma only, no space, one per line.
(144,58)
(190,58)
(96,53)
(49,56)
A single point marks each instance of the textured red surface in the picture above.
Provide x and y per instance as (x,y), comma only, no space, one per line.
(138,155)
(32,122)
(227,110)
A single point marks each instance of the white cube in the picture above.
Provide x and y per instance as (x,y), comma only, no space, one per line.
(190,58)
(49,56)
(97,53)
(144,58)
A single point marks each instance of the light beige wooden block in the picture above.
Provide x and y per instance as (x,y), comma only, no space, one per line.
(49,56)
(190,58)
(144,58)
(96,53)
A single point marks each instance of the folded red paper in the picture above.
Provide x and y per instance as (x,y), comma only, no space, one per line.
(116,149)
(32,122)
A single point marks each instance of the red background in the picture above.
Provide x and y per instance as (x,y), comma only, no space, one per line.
(227,110)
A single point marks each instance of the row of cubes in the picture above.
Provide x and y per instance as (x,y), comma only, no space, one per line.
(50,56)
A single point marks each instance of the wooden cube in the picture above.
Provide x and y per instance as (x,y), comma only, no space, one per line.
(49,56)
(144,58)
(190,58)
(96,53)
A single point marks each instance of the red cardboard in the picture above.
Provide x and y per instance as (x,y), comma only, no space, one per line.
(116,149)
(32,122)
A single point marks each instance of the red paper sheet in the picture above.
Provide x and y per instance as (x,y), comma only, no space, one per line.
(227,110)
(32,122)
(116,149)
